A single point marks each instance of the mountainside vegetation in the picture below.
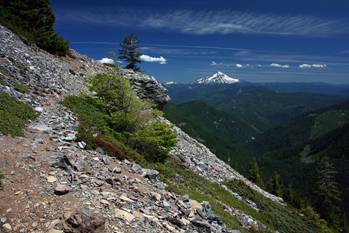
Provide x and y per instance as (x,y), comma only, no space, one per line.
(262,108)
(295,151)
(33,21)
(117,116)
(14,115)
(311,153)
(223,133)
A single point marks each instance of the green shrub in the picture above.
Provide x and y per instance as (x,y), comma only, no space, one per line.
(126,112)
(33,20)
(155,141)
(14,115)
(20,87)
(117,119)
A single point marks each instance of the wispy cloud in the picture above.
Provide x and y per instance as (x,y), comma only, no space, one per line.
(213,22)
(213,63)
(307,66)
(242,65)
(276,65)
(146,58)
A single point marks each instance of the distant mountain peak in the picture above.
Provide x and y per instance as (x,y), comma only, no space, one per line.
(217,78)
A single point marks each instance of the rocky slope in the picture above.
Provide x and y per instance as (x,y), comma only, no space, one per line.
(52,184)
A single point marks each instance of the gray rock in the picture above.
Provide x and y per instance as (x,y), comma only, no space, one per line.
(7,227)
(69,137)
(116,170)
(167,205)
(85,220)
(106,160)
(151,174)
(136,168)
(62,189)
(41,127)
(146,87)
(185,198)
(82,144)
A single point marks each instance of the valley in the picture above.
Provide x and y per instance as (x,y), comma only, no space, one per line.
(287,132)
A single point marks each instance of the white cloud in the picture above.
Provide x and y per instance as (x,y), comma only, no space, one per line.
(276,65)
(212,22)
(242,65)
(305,66)
(213,63)
(106,60)
(259,65)
(319,65)
(146,58)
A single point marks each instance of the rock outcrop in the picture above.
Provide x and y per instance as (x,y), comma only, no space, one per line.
(147,87)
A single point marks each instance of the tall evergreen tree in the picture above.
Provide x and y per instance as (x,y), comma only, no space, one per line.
(129,52)
(254,173)
(276,185)
(327,190)
(292,197)
(33,20)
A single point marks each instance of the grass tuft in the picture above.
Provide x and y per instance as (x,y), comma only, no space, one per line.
(14,115)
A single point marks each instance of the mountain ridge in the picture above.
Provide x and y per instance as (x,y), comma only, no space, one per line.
(217,78)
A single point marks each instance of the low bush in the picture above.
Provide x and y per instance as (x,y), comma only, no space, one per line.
(155,141)
(14,115)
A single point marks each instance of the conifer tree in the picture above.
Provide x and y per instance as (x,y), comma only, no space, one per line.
(327,190)
(292,197)
(276,185)
(129,52)
(33,20)
(254,173)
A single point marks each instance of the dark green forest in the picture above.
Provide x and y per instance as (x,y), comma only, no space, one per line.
(295,145)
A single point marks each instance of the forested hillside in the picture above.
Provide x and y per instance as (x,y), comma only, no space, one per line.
(298,150)
(261,107)
(296,154)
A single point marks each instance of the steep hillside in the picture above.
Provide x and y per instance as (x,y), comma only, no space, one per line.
(57,180)
(224,134)
(296,148)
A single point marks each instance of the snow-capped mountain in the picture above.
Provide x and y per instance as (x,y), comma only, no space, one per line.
(217,78)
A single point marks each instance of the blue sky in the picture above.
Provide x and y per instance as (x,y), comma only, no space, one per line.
(254,40)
